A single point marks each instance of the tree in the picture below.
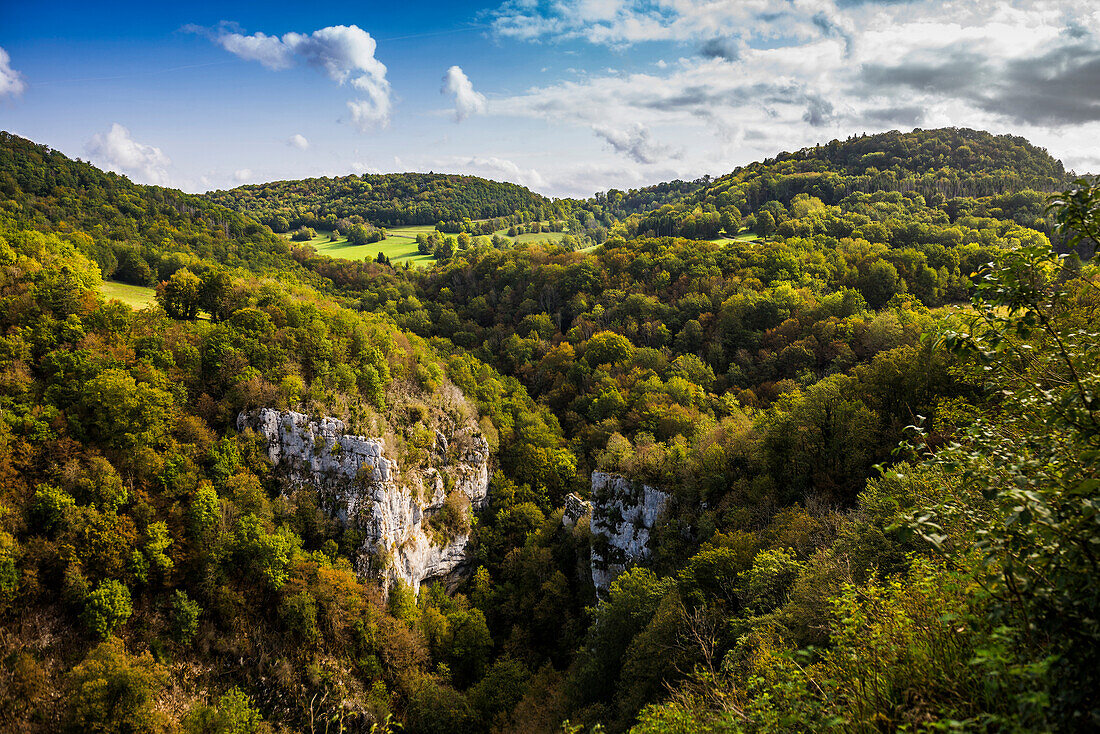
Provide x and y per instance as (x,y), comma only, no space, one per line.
(1033,341)
(217,295)
(233,713)
(878,283)
(106,608)
(607,347)
(183,616)
(765,223)
(122,412)
(731,220)
(113,692)
(181,295)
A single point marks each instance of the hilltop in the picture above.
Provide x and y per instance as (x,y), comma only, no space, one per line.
(957,170)
(390,199)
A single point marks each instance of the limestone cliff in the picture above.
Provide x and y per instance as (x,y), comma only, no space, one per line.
(359,485)
(623,514)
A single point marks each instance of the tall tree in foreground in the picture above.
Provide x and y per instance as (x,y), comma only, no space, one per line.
(1035,339)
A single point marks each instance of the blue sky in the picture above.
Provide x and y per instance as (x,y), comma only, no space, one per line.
(567,97)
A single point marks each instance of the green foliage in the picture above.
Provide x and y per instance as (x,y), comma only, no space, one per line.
(391,199)
(264,554)
(233,713)
(183,617)
(299,615)
(106,608)
(204,510)
(123,413)
(181,295)
(113,691)
(49,505)
(1033,340)
(758,386)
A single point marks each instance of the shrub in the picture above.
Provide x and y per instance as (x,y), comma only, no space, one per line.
(113,691)
(183,617)
(106,608)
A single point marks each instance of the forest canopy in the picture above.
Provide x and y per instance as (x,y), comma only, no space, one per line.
(864,374)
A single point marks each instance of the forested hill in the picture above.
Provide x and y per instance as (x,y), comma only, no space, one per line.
(125,227)
(390,199)
(960,171)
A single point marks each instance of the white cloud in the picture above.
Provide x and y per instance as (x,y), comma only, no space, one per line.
(467,101)
(297,140)
(767,76)
(268,50)
(344,53)
(634,142)
(116,151)
(360,168)
(493,167)
(11,81)
(242,175)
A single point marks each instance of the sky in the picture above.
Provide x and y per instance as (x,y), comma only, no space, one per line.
(567,97)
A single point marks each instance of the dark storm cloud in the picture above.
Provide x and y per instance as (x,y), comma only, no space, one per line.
(956,74)
(701,97)
(1060,87)
(819,111)
(721,48)
(906,115)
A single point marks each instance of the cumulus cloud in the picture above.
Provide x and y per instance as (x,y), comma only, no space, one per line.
(117,151)
(242,175)
(493,167)
(722,48)
(1057,86)
(11,81)
(343,53)
(769,76)
(634,142)
(268,50)
(297,140)
(467,101)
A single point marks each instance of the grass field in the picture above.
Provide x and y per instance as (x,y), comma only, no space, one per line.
(134,296)
(745,236)
(531,237)
(399,246)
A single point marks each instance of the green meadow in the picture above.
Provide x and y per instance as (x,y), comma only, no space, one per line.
(399,246)
(134,296)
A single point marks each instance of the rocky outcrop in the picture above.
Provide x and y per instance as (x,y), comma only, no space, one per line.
(576,510)
(623,514)
(359,485)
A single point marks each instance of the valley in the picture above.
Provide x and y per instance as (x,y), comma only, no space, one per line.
(591,465)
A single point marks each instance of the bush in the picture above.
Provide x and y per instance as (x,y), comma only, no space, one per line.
(106,608)
(299,614)
(183,617)
(232,714)
(113,691)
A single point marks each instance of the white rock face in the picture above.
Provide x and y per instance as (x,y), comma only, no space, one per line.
(623,513)
(576,510)
(358,485)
